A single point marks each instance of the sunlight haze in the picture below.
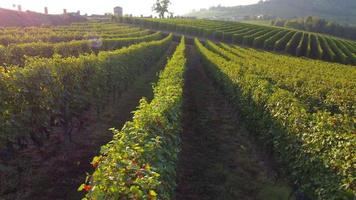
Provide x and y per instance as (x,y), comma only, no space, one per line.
(177,99)
(135,7)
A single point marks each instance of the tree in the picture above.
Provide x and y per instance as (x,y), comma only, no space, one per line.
(309,23)
(293,24)
(161,7)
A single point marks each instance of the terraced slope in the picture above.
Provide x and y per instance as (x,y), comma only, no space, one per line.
(66,41)
(293,42)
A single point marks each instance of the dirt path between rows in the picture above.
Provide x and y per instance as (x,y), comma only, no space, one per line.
(218,159)
(55,174)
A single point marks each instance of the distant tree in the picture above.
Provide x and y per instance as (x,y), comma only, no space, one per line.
(278,22)
(293,24)
(331,28)
(309,23)
(161,7)
(319,25)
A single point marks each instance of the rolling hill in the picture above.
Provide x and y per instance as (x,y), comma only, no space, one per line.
(28,18)
(342,11)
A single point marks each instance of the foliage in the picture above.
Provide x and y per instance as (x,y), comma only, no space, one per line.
(16,54)
(317,84)
(315,24)
(77,39)
(273,38)
(2,55)
(83,31)
(139,163)
(315,146)
(161,7)
(55,92)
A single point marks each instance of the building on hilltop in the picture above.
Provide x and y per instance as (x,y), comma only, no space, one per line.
(118,11)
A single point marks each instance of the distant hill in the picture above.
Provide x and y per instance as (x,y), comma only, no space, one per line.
(343,11)
(16,18)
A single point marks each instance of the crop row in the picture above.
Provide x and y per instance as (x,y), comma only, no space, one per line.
(140,163)
(68,30)
(49,93)
(316,148)
(53,36)
(320,85)
(293,42)
(92,26)
(16,54)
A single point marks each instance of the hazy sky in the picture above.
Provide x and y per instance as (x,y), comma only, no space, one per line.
(135,7)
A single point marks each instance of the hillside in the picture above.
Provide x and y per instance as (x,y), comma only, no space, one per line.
(342,11)
(293,42)
(317,25)
(15,18)
(151,109)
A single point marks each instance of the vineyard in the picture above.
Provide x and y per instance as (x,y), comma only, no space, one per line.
(293,42)
(142,108)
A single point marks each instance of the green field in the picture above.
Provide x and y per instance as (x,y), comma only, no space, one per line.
(196,109)
(290,41)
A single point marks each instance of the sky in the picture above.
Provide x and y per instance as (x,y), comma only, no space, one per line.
(135,7)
